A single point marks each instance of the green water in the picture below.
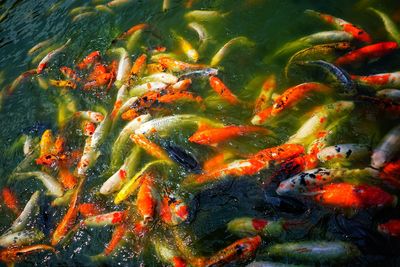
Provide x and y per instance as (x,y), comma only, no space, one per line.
(269,24)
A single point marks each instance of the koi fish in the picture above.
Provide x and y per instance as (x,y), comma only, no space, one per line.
(122,94)
(241,40)
(304,182)
(204,15)
(151,148)
(173,210)
(379,81)
(386,149)
(11,88)
(340,24)
(392,227)
(367,52)
(112,218)
(132,30)
(346,195)
(199,73)
(141,89)
(12,255)
(147,198)
(69,218)
(188,49)
(390,94)
(52,185)
(21,238)
(26,215)
(246,226)
(240,250)
(216,161)
(10,199)
(344,152)
(89,155)
(222,90)
(175,96)
(287,99)
(139,66)
(88,60)
(45,61)
(95,117)
(326,52)
(89,209)
(46,143)
(315,251)
(117,235)
(201,32)
(177,66)
(88,128)
(124,65)
(40,45)
(319,38)
(161,77)
(62,83)
(183,157)
(213,136)
(115,182)
(268,87)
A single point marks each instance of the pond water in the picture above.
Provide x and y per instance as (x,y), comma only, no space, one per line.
(37,103)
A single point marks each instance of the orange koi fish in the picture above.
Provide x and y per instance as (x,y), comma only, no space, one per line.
(392,227)
(150,147)
(88,60)
(129,115)
(10,200)
(89,209)
(139,65)
(132,30)
(176,65)
(288,99)
(218,86)
(240,250)
(262,102)
(379,81)
(213,136)
(279,153)
(12,255)
(173,96)
(66,177)
(89,128)
(119,232)
(154,68)
(367,52)
(46,143)
(340,24)
(346,195)
(216,161)
(147,199)
(69,73)
(59,144)
(69,218)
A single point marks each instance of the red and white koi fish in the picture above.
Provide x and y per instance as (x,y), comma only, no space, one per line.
(173,210)
(147,199)
(392,228)
(45,61)
(112,218)
(379,81)
(340,24)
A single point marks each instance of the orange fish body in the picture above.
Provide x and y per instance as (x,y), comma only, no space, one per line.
(46,143)
(216,135)
(66,177)
(216,161)
(391,173)
(139,65)
(89,209)
(133,30)
(150,147)
(346,195)
(382,80)
(367,52)
(175,96)
(240,250)
(10,200)
(218,86)
(129,115)
(118,234)
(279,153)
(69,73)
(146,200)
(173,211)
(89,59)
(392,227)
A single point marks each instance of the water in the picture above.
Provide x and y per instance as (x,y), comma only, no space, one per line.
(269,24)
